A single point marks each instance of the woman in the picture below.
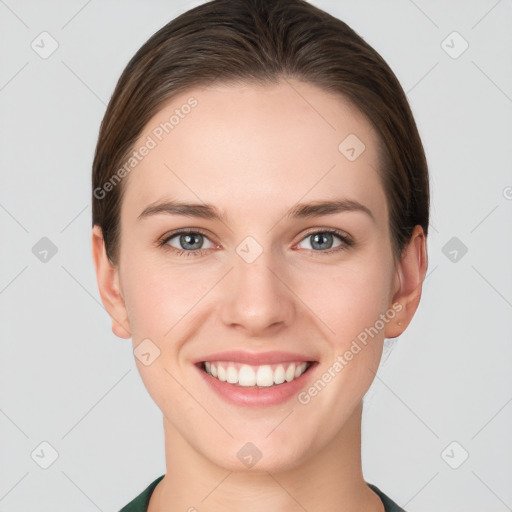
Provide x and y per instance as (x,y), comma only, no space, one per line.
(241,138)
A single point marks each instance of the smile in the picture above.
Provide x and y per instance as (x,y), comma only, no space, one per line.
(245,375)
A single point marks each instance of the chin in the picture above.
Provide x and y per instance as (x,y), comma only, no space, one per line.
(259,456)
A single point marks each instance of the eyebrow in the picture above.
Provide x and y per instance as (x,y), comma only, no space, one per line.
(299,211)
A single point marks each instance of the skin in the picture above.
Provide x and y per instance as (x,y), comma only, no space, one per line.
(269,148)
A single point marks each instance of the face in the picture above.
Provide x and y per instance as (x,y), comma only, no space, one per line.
(264,284)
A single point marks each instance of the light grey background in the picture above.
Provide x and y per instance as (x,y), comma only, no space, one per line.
(67,380)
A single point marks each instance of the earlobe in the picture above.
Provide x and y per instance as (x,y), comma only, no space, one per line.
(107,276)
(410,273)
(119,330)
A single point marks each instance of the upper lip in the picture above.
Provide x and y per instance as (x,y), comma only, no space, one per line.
(254,358)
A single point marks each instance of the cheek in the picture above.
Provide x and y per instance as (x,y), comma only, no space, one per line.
(352,300)
(348,298)
(345,297)
(158,295)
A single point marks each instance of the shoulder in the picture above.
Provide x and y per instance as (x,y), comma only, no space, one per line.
(141,502)
(389,504)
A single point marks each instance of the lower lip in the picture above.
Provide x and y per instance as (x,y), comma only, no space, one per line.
(251,396)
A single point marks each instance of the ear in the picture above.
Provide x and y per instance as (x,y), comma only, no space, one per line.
(408,282)
(107,276)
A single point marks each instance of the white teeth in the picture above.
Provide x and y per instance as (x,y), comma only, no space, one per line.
(290,373)
(249,376)
(265,376)
(279,375)
(231,375)
(221,373)
(246,376)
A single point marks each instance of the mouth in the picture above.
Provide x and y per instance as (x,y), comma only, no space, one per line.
(255,376)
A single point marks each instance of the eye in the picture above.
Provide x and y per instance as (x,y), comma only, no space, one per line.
(324,240)
(191,242)
(187,242)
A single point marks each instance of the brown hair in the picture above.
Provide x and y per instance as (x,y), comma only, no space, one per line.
(261,41)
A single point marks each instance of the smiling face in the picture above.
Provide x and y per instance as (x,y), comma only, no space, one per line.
(259,272)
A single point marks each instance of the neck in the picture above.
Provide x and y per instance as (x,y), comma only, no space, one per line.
(331,479)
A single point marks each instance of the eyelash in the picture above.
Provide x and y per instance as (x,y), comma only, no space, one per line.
(347,242)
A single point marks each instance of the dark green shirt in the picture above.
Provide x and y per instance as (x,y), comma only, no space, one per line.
(141,502)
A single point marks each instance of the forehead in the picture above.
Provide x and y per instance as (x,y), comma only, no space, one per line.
(254,147)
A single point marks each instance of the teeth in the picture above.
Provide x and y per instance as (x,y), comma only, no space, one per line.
(221,373)
(290,373)
(249,376)
(265,376)
(279,374)
(231,375)
(246,376)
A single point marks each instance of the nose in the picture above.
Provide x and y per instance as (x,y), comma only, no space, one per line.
(256,297)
